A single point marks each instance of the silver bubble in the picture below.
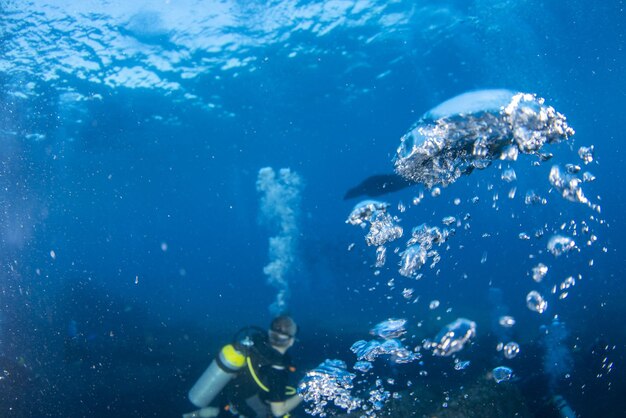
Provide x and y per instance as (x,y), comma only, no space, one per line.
(535,302)
(511,350)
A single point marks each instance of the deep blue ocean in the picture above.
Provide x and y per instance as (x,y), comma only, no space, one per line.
(134,233)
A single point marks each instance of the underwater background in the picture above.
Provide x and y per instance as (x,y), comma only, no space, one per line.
(136,220)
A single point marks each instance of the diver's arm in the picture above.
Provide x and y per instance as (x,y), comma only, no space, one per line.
(283,408)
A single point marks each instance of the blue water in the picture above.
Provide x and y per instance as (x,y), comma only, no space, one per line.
(132,246)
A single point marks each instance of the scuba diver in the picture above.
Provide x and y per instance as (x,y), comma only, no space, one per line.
(254,372)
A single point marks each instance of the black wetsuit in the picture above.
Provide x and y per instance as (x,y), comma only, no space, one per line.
(244,396)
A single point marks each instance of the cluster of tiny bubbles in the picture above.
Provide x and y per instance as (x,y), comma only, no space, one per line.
(574,229)
(391,328)
(452,337)
(384,228)
(564,286)
(586,154)
(331,384)
(535,302)
(381,256)
(377,398)
(532,198)
(328,384)
(539,272)
(420,249)
(412,259)
(570,187)
(365,211)
(607,364)
(502,374)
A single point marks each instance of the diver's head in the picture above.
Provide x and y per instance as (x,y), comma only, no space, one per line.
(282,332)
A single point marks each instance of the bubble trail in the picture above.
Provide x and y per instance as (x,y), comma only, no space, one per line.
(280,209)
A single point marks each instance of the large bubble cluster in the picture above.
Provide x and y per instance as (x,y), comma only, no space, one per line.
(383,227)
(364,212)
(570,187)
(328,384)
(473,129)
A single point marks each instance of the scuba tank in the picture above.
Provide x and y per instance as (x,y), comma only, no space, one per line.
(222,370)
(565,411)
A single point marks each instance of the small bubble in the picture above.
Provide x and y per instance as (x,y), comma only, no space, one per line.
(539,272)
(381,256)
(502,374)
(559,244)
(512,192)
(448,220)
(461,365)
(511,350)
(586,154)
(509,175)
(536,302)
(506,321)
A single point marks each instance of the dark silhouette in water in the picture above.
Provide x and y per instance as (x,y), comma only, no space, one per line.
(378,185)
